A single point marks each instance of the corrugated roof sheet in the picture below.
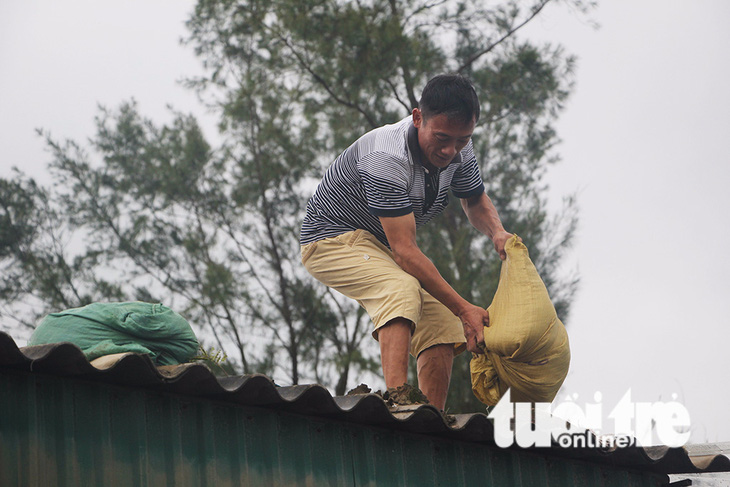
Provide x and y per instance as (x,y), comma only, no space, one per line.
(137,370)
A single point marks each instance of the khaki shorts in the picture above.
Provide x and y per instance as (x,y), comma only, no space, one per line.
(360,267)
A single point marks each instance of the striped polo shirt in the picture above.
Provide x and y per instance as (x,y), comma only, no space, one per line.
(381,174)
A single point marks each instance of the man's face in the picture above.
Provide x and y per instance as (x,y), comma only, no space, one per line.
(441,137)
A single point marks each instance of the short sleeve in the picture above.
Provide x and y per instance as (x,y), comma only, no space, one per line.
(386,181)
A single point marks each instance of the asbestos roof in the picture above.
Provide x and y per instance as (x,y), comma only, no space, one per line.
(196,380)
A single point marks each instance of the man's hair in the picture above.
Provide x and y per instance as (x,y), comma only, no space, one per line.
(452,95)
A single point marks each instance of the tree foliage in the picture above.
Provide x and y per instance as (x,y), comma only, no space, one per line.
(160,214)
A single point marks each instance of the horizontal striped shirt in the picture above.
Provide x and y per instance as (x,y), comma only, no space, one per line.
(381,174)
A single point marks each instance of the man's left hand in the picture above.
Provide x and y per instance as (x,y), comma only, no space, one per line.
(500,239)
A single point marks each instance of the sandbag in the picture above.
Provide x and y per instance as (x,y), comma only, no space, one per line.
(100,329)
(526,345)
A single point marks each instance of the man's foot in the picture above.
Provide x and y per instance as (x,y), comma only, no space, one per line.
(405,395)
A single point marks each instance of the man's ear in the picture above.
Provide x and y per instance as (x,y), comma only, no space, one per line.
(417,118)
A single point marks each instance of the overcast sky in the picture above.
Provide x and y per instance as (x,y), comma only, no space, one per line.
(644,146)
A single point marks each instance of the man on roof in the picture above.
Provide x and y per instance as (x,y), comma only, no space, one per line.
(359,233)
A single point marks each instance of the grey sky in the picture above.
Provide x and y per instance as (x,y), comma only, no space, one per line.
(644,145)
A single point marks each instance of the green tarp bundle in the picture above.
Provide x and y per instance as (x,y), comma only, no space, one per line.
(100,329)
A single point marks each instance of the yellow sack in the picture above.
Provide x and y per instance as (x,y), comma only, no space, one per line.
(527,347)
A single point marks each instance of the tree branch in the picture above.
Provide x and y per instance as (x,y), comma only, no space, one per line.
(324,84)
(407,79)
(397,96)
(509,34)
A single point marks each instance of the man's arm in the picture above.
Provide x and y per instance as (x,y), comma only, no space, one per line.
(483,216)
(401,234)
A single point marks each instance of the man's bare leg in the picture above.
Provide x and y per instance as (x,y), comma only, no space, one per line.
(434,373)
(395,342)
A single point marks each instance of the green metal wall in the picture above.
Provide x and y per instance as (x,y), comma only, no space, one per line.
(57,431)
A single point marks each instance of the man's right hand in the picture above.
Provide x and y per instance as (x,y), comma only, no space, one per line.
(474,320)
